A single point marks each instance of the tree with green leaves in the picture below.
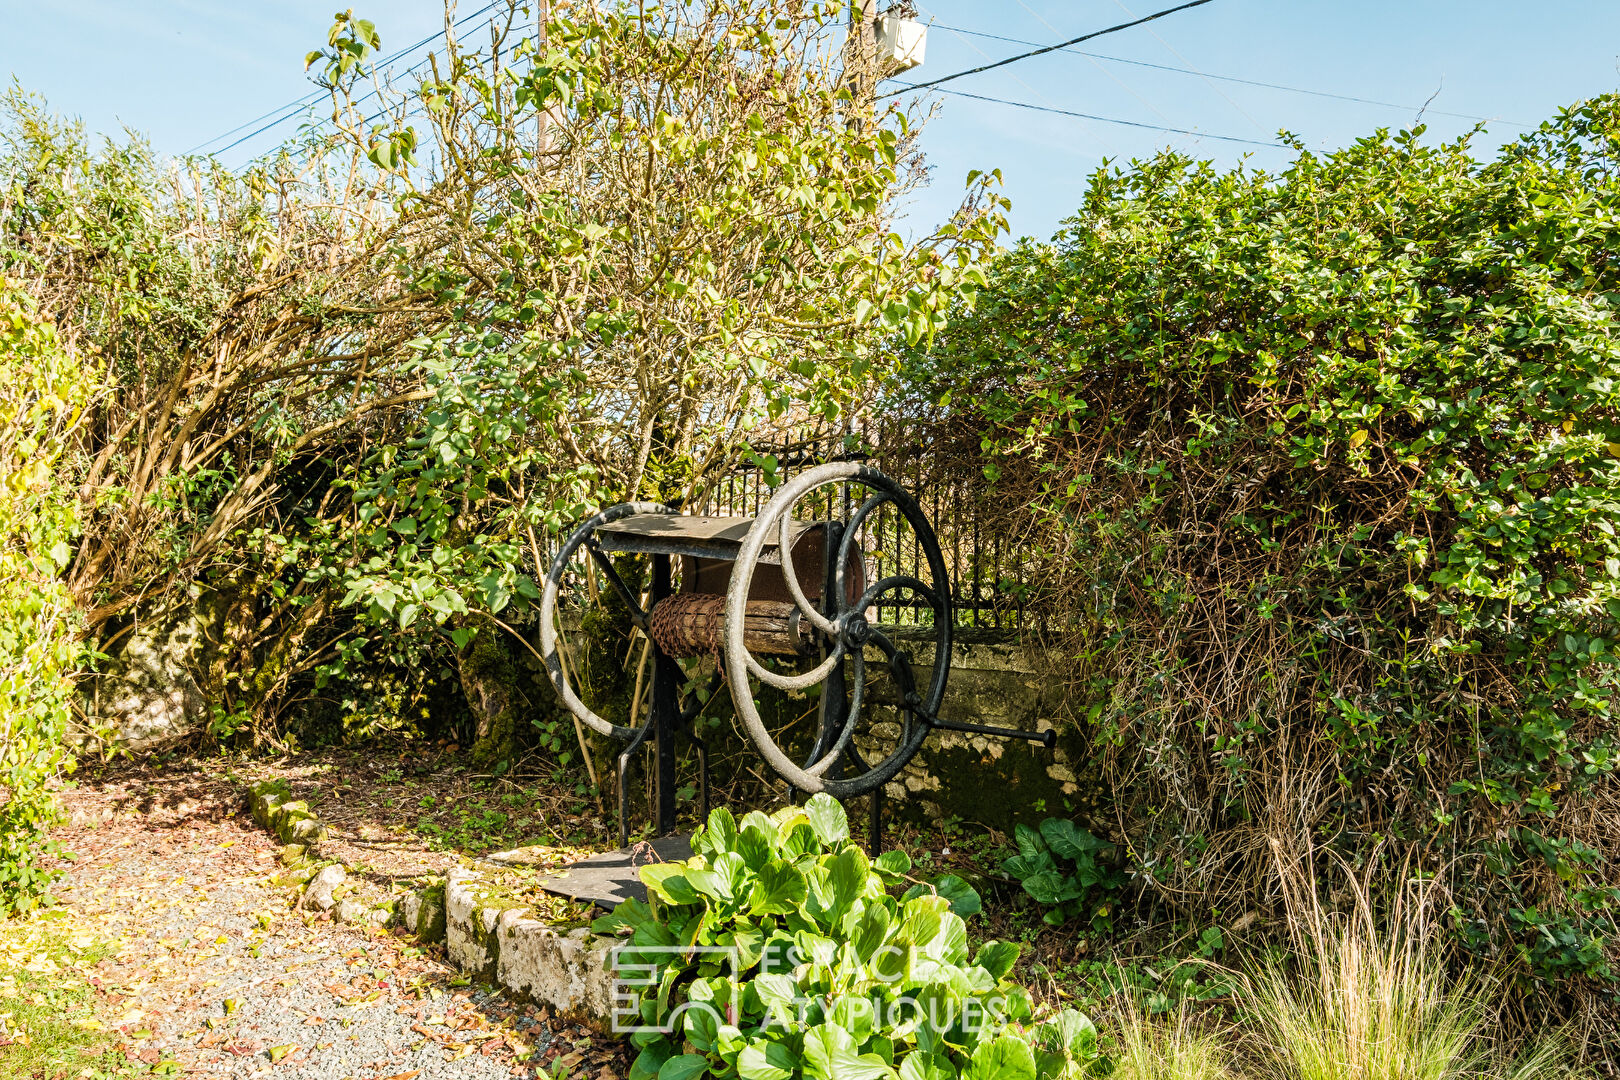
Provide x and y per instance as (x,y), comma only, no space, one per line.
(44,391)
(669,230)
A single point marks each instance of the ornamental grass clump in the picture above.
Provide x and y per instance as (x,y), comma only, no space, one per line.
(1371,1002)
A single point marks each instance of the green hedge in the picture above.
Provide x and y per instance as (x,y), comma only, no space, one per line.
(43,390)
(1322,471)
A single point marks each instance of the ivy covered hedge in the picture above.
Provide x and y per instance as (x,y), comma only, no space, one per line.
(43,391)
(1322,476)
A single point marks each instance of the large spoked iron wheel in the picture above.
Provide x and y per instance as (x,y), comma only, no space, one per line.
(562,661)
(856,655)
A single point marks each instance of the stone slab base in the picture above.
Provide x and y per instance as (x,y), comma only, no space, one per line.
(609,879)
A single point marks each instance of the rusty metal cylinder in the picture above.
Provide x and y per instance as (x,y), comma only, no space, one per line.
(693,624)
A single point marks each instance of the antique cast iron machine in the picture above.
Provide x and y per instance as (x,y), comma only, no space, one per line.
(796,593)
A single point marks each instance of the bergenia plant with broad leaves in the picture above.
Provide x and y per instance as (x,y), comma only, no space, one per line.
(1068,871)
(780,951)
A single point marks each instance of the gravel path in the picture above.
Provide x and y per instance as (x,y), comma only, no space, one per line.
(216,969)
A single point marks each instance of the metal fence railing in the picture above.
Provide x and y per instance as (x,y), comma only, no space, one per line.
(989,576)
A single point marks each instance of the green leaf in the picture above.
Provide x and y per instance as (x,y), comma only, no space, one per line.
(761,1060)
(748,941)
(949,944)
(651,1060)
(778,993)
(668,882)
(779,889)
(919,924)
(756,843)
(830,1054)
(827,818)
(1067,840)
(857,1015)
(997,957)
(1050,887)
(1005,1057)
(871,932)
(896,863)
(1070,1032)
(702,1023)
(683,1067)
(721,833)
(919,1065)
(847,874)
(963,898)
(732,874)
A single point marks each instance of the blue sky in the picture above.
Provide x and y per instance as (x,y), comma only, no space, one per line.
(184,71)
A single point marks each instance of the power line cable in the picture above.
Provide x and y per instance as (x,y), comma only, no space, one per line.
(1227,78)
(1177,54)
(1014,75)
(1103,119)
(1106,73)
(310,98)
(1052,48)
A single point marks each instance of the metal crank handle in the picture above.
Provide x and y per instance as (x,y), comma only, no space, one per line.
(1046,738)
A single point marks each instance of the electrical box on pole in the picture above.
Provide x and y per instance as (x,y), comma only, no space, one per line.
(901,43)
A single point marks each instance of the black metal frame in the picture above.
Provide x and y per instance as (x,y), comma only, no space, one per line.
(843,632)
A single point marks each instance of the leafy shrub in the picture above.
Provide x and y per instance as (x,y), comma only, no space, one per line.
(1322,472)
(43,390)
(1067,870)
(835,978)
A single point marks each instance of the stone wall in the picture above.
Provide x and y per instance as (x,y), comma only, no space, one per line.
(995,782)
(145,693)
(980,778)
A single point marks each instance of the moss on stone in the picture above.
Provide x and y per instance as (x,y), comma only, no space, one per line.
(430,921)
(490,680)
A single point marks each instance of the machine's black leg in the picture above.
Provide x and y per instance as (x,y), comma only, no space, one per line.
(666,711)
(702,749)
(874,826)
(624,789)
(834,702)
(624,801)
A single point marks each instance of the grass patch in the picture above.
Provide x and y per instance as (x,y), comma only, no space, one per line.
(48,1026)
(1164,1046)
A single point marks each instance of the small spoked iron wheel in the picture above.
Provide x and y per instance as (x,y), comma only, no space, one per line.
(562,660)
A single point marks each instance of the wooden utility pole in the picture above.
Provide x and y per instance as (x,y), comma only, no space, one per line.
(860,58)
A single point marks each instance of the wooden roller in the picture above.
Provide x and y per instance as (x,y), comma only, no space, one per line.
(692,624)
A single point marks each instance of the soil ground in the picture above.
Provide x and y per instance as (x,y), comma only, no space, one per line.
(214,972)
(192,961)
